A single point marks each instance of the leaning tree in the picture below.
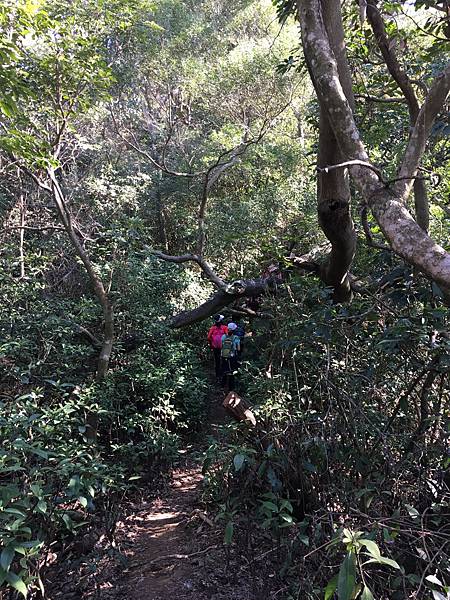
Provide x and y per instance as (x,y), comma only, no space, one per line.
(342,156)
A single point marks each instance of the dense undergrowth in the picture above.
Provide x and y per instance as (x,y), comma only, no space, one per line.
(192,127)
(56,486)
(347,471)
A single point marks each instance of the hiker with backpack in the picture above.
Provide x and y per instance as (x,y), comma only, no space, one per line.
(231,345)
(215,334)
(240,332)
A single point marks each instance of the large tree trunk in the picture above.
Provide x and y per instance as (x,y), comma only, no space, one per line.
(333,189)
(387,203)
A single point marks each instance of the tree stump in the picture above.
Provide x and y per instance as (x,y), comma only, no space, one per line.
(239,408)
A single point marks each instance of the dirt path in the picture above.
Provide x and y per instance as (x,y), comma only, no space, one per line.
(158,565)
(174,550)
(165,549)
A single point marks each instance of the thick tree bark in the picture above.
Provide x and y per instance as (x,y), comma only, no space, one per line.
(404,83)
(250,288)
(333,189)
(388,204)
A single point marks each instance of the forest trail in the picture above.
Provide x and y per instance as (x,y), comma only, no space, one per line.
(158,565)
(174,551)
(167,547)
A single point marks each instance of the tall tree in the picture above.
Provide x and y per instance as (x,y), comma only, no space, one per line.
(386,200)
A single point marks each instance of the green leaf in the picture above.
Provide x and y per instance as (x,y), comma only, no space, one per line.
(304,539)
(347,536)
(270,506)
(14,511)
(17,583)
(384,561)
(68,522)
(238,461)
(438,595)
(83,501)
(366,594)
(6,557)
(413,512)
(228,536)
(39,452)
(36,489)
(286,504)
(372,547)
(347,577)
(331,588)
(286,518)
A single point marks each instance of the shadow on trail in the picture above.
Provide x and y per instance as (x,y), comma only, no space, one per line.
(171,541)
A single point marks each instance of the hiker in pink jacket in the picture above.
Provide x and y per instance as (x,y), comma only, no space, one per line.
(215,341)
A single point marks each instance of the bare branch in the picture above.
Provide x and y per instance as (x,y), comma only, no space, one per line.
(31,228)
(215,171)
(135,146)
(41,184)
(405,84)
(239,289)
(248,312)
(386,49)
(369,238)
(352,163)
(92,338)
(203,264)
(370,98)
(416,146)
(211,176)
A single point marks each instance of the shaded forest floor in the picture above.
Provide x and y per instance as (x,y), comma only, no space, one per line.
(167,548)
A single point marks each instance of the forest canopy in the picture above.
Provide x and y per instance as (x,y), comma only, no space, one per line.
(284,164)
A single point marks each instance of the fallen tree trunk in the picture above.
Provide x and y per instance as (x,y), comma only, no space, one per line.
(244,288)
(239,408)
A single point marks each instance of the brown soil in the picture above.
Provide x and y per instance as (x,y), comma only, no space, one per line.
(168,548)
(173,537)
(159,559)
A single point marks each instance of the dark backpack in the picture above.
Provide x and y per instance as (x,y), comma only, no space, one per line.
(239,331)
(227,347)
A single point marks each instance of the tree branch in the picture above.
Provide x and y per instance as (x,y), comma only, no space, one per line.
(369,238)
(405,84)
(352,163)
(203,264)
(31,228)
(370,98)
(416,145)
(404,235)
(386,49)
(211,176)
(134,145)
(238,289)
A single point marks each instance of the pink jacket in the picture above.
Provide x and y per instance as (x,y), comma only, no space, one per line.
(215,335)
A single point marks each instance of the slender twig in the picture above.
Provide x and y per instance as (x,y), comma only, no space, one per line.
(174,556)
(31,228)
(203,264)
(352,163)
(396,410)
